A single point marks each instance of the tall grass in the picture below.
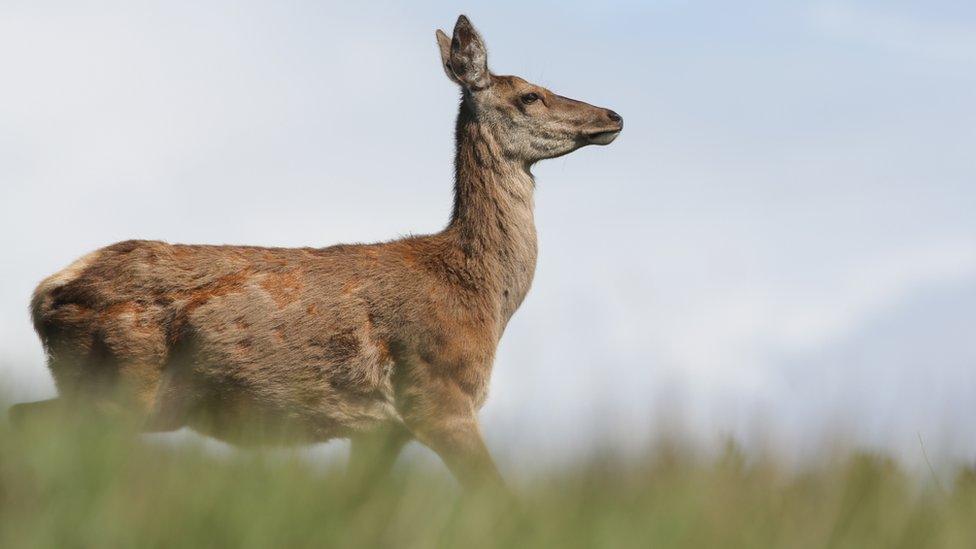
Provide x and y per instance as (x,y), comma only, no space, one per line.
(83,484)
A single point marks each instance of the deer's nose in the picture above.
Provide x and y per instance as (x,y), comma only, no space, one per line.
(614,116)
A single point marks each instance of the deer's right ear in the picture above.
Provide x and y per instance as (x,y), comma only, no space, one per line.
(444,44)
(464,56)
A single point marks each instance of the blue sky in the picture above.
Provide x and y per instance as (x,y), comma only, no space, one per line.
(782,240)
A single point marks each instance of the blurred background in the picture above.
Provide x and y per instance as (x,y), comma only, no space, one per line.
(780,247)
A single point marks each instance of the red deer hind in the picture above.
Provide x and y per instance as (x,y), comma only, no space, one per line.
(380,343)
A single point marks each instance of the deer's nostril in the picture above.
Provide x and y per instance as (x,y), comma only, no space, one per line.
(614,116)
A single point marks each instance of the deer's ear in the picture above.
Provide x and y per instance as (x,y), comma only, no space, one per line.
(444,45)
(465,56)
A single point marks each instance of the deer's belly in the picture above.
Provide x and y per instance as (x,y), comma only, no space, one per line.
(286,410)
(305,371)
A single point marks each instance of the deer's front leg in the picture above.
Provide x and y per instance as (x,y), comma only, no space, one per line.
(372,454)
(458,441)
(442,415)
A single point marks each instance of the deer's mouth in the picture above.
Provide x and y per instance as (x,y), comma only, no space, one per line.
(602,137)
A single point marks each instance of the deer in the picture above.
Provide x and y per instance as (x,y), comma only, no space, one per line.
(379,343)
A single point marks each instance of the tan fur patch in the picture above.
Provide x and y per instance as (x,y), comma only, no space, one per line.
(284,288)
(222,286)
(68,274)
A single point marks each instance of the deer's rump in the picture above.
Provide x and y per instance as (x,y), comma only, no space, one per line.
(212,335)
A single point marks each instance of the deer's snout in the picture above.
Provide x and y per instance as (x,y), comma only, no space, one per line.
(608,126)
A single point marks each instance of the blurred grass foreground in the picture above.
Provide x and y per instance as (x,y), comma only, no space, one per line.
(77,484)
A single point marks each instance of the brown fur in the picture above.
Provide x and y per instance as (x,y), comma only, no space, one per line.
(374,341)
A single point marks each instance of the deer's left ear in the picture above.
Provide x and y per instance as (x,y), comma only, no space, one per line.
(465,57)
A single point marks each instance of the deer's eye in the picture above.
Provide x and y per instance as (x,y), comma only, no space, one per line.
(529,98)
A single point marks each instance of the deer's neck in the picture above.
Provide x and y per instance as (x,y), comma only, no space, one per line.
(492,220)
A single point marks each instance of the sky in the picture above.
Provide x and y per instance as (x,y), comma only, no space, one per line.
(780,246)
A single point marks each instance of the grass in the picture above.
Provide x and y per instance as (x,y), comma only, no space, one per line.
(78,484)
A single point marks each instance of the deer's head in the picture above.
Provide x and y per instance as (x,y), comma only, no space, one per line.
(528,121)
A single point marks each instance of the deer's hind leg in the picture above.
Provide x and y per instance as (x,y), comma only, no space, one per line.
(111,365)
(175,397)
(21,414)
(94,396)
